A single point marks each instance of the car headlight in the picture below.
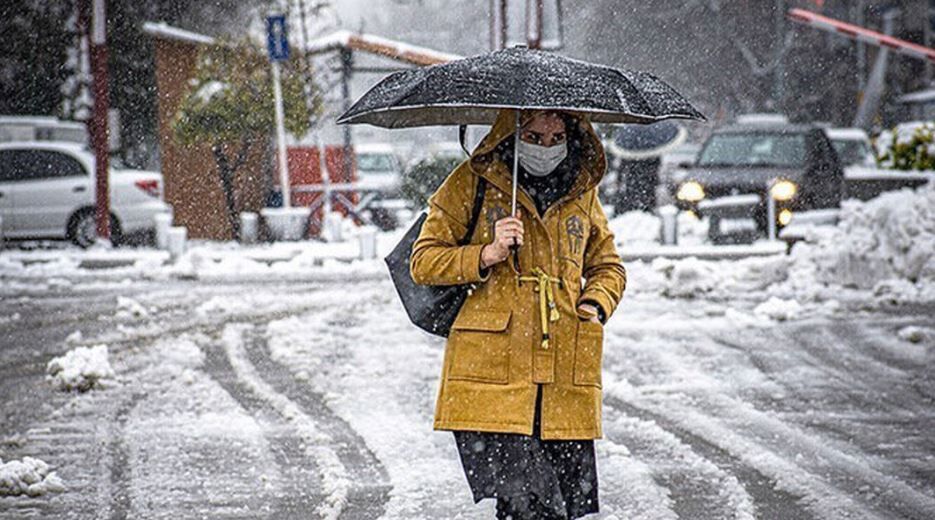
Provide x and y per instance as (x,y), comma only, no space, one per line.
(783,190)
(690,191)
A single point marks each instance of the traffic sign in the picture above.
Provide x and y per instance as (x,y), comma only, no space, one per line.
(276,39)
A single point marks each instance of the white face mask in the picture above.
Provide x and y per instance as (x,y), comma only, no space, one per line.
(541,160)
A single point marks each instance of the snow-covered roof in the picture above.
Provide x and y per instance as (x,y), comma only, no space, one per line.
(378,45)
(847,134)
(920,96)
(164,30)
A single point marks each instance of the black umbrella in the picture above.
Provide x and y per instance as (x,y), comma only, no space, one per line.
(473,90)
(646,141)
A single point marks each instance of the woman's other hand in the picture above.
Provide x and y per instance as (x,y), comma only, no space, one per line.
(590,311)
(505,230)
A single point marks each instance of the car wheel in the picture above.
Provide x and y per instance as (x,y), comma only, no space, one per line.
(82,229)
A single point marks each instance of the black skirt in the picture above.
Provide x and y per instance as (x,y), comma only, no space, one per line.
(530,477)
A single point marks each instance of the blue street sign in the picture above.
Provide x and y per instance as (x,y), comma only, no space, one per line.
(276,38)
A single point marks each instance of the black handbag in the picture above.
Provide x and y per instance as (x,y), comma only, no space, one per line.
(432,308)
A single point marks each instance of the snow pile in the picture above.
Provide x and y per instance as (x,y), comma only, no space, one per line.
(882,251)
(28,477)
(128,308)
(81,369)
(779,309)
(643,228)
(691,277)
(891,237)
(634,227)
(912,334)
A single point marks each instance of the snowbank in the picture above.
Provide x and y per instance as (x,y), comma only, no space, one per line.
(882,251)
(779,309)
(81,369)
(643,228)
(28,477)
(890,237)
(636,227)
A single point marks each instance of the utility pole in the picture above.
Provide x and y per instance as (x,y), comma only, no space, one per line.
(534,24)
(780,39)
(347,67)
(98,122)
(860,20)
(498,24)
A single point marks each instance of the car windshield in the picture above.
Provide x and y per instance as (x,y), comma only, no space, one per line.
(851,151)
(376,162)
(754,149)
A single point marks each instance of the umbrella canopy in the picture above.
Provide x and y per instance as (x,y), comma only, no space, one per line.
(646,141)
(471,91)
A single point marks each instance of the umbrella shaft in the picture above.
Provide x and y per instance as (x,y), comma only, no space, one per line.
(515,164)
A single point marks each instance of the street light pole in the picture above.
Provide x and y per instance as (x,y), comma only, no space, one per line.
(98,123)
(780,40)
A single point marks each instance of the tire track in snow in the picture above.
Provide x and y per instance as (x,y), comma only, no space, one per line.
(287,450)
(856,387)
(367,497)
(768,501)
(119,461)
(693,486)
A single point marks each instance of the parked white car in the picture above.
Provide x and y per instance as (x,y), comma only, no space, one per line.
(378,168)
(47,191)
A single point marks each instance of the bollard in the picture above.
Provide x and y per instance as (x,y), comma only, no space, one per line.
(771,216)
(670,225)
(163,223)
(332,227)
(288,224)
(367,240)
(176,241)
(249,227)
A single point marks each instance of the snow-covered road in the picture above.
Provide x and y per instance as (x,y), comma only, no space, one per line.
(314,399)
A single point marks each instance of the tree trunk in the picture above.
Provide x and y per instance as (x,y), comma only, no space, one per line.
(226,171)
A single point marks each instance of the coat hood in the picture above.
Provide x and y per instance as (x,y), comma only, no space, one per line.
(593,161)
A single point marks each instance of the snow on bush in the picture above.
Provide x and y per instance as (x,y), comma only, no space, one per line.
(29,476)
(81,369)
(909,146)
(890,237)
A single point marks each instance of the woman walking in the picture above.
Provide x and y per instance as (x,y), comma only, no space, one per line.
(521,380)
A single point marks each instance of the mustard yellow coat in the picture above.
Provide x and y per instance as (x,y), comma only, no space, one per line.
(498,349)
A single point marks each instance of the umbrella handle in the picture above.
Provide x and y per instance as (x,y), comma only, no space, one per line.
(514,250)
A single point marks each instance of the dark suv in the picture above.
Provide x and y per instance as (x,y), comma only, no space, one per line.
(740,165)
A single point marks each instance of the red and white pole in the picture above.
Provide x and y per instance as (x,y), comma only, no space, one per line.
(861,34)
(98,122)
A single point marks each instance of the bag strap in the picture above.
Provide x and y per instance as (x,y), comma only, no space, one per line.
(475,210)
(462,133)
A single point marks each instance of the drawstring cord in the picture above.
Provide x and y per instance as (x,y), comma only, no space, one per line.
(547,309)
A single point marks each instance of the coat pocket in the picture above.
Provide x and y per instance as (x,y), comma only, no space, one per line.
(480,343)
(589,345)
